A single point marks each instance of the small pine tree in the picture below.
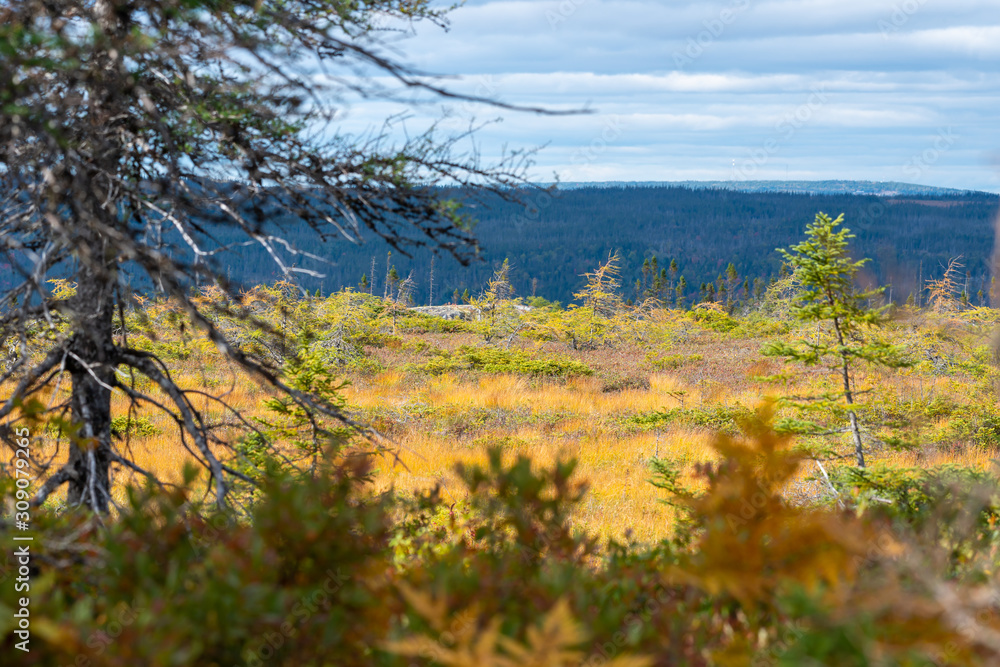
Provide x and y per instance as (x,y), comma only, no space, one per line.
(430,286)
(601,303)
(386,291)
(391,282)
(826,274)
(682,284)
(500,320)
(400,298)
(945,294)
(731,285)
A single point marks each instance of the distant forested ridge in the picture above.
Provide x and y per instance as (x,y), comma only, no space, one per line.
(833,187)
(552,239)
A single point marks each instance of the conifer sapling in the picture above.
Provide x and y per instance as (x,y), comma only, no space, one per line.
(827,293)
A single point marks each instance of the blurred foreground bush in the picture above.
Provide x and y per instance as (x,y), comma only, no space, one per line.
(323,571)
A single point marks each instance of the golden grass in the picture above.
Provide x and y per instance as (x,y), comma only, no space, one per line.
(579,396)
(443,420)
(620,498)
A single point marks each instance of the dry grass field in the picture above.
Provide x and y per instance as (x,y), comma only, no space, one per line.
(661,391)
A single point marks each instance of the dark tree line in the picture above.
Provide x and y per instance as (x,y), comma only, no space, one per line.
(700,232)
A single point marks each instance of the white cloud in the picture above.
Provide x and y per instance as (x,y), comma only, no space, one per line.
(893,73)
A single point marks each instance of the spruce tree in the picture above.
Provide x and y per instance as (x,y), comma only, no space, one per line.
(679,292)
(828,294)
(391,282)
(732,282)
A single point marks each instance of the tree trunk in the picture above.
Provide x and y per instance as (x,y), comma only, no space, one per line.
(859,450)
(92,375)
(858,446)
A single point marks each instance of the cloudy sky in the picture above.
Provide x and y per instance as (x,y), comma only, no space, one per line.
(898,90)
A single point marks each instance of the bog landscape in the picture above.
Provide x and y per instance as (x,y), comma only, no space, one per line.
(281,384)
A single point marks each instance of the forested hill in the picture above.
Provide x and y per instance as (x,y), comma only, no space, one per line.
(882,188)
(552,240)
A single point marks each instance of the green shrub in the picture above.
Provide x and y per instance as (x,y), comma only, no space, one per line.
(420,323)
(959,507)
(977,424)
(364,365)
(441,362)
(714,320)
(724,418)
(496,360)
(124,426)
